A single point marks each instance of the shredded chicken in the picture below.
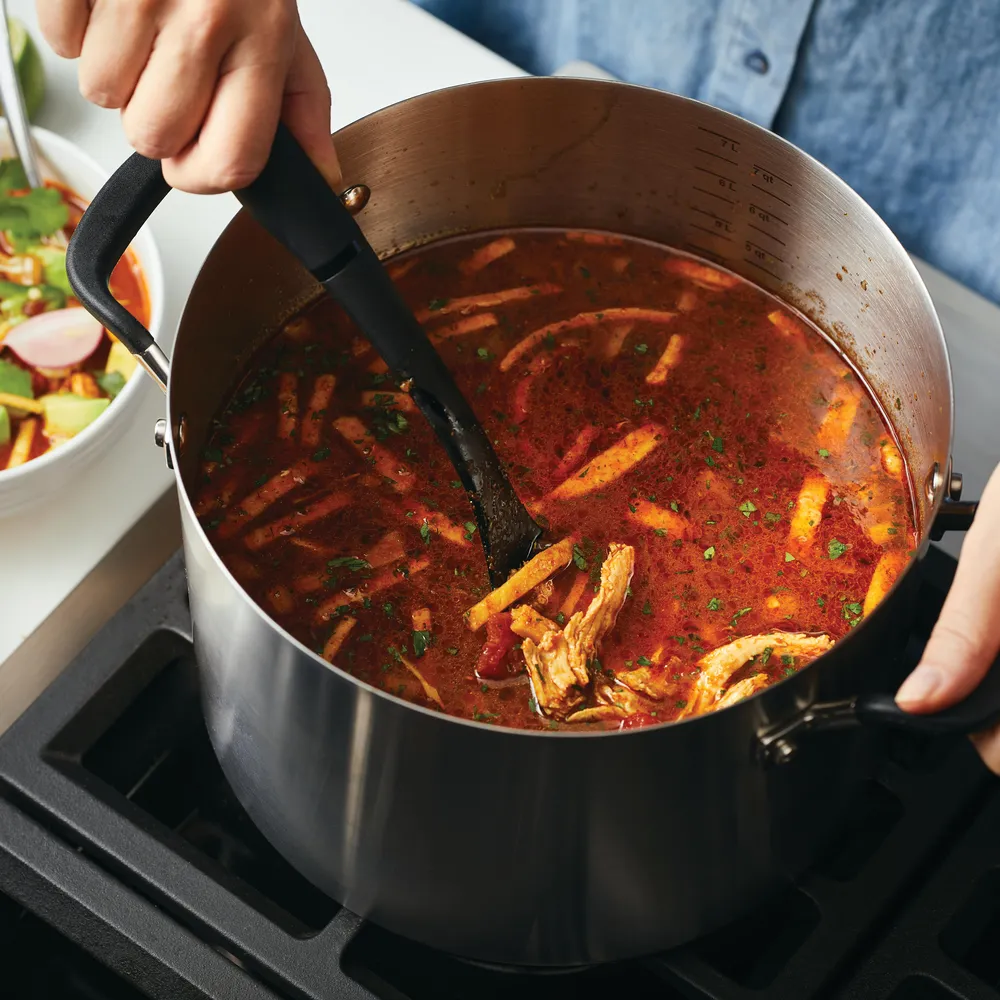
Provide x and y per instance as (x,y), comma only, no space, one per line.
(558,665)
(719,665)
(529,624)
(742,689)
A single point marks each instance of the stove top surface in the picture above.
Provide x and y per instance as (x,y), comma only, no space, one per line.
(128,869)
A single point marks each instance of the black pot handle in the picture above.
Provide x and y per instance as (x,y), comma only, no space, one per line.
(325,245)
(108,226)
(980,710)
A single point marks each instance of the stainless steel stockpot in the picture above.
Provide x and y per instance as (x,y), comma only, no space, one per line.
(525,848)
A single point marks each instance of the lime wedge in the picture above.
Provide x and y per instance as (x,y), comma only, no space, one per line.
(28,62)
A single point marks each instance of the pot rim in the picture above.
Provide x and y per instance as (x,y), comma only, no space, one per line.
(190,518)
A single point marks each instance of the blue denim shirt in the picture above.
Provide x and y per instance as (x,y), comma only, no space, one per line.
(900,98)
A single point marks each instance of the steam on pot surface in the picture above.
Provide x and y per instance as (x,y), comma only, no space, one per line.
(722,496)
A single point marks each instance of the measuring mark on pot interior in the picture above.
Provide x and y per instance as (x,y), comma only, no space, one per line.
(713,194)
(766,233)
(711,232)
(718,156)
(704,251)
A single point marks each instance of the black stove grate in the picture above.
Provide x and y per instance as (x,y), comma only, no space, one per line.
(120,839)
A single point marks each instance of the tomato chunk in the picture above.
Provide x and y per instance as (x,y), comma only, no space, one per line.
(638,719)
(494,662)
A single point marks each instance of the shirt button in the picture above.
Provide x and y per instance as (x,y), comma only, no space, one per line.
(757,61)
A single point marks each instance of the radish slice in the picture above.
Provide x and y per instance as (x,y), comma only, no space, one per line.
(56,339)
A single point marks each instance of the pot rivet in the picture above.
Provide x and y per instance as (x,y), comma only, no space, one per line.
(955,486)
(181,434)
(782,751)
(160,432)
(933,483)
(356,197)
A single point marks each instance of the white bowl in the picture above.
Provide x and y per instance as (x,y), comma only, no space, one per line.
(42,477)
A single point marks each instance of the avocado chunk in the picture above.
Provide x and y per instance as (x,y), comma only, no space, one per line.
(4,426)
(66,414)
(14,380)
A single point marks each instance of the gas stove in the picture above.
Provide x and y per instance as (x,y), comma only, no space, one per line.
(128,869)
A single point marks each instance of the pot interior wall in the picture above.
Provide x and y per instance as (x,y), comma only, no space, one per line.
(588,154)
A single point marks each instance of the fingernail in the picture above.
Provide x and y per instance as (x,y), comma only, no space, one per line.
(919,686)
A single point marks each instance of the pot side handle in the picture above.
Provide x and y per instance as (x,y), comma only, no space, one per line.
(978,711)
(110,223)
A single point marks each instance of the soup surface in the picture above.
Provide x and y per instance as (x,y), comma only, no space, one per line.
(722,498)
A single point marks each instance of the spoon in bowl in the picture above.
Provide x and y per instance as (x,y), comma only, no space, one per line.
(13,106)
(293,201)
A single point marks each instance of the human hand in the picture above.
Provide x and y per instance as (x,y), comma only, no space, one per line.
(201,84)
(966,638)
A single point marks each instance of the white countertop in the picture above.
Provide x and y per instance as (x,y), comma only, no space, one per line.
(375,53)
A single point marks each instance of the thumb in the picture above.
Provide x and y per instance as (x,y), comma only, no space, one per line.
(306,109)
(966,637)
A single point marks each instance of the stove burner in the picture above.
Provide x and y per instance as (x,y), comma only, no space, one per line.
(120,839)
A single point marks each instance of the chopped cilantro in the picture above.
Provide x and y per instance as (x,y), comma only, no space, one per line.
(647,608)
(350,563)
(714,604)
(435,304)
(456,484)
(484,354)
(823,453)
(660,532)
(421,640)
(641,348)
(710,552)
(766,655)
(579,558)
(644,661)
(739,614)
(789,557)
(470,530)
(560,618)
(821,602)
(718,445)
(787,660)
(425,532)
(836,548)
(747,508)
(452,650)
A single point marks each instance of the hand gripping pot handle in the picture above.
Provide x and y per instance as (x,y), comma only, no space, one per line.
(285,198)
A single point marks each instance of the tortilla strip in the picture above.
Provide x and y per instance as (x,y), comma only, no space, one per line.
(439,524)
(485,300)
(892,460)
(579,322)
(616,339)
(467,324)
(577,451)
(529,624)
(280,598)
(611,464)
(786,325)
(808,511)
(594,239)
(389,548)
(396,271)
(701,274)
(381,581)
(669,360)
(337,637)
(421,620)
(21,450)
(288,405)
(887,570)
(363,442)
(389,400)
(540,567)
(290,523)
(839,419)
(575,593)
(312,423)
(661,519)
(687,301)
(429,689)
(23,403)
(254,504)
(485,255)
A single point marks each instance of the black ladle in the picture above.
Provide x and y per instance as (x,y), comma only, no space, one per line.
(295,204)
